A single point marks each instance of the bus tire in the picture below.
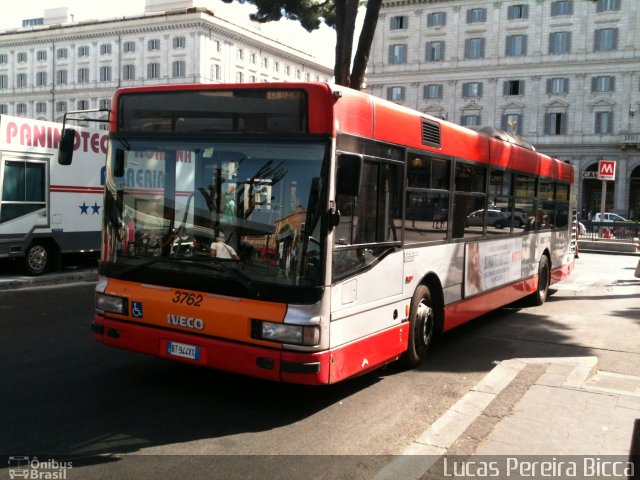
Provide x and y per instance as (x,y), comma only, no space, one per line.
(37,258)
(544,279)
(421,327)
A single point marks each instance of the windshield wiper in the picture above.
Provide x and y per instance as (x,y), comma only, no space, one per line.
(220,266)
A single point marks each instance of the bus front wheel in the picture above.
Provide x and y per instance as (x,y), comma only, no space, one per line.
(538,297)
(421,327)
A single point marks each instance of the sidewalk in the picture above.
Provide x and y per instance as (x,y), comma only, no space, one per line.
(556,408)
(14,281)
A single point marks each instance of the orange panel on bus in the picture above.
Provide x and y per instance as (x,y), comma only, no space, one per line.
(196,312)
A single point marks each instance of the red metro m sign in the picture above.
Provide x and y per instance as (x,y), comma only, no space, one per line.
(606,170)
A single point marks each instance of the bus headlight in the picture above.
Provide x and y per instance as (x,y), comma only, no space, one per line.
(112,304)
(284,333)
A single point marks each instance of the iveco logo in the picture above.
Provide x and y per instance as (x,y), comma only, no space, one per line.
(188,322)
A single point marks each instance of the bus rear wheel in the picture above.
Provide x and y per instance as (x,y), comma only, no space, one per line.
(37,258)
(544,279)
(421,327)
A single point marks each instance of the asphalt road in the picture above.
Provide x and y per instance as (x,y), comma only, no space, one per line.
(64,396)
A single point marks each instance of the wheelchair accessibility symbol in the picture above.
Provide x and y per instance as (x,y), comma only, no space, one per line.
(136,309)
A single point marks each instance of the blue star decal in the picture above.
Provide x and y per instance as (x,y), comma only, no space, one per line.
(96,208)
(84,208)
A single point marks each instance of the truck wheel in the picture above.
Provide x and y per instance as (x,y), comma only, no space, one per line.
(37,259)
(421,327)
(544,279)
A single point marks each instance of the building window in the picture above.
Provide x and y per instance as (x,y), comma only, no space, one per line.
(128,72)
(21,108)
(472,120)
(395,93)
(83,104)
(276,67)
(41,79)
(603,84)
(516,12)
(21,80)
(128,47)
(21,57)
(437,19)
(557,86)
(61,106)
(83,51)
(432,91)
(513,87)
(253,58)
(607,5)
(61,53)
(474,48)
(61,77)
(555,123)
(153,45)
(516,45)
(215,72)
(239,77)
(4,108)
(41,55)
(512,123)
(4,59)
(153,70)
(604,123)
(178,68)
(105,104)
(559,42)
(83,75)
(105,49)
(398,54)
(41,107)
(4,82)
(399,22)
(476,15)
(435,51)
(239,54)
(606,39)
(105,74)
(561,7)
(265,62)
(179,42)
(472,89)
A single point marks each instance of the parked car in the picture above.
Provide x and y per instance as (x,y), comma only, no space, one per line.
(519,215)
(609,217)
(495,218)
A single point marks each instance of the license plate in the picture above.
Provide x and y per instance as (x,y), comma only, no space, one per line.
(183,350)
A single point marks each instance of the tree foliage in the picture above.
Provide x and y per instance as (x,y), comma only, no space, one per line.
(338,14)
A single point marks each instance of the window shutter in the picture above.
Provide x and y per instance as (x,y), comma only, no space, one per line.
(525,11)
(479,89)
(612,83)
(465,89)
(565,85)
(403,49)
(563,123)
(549,85)
(469,13)
(505,88)
(482,48)
(503,124)
(430,20)
(509,45)
(570,7)
(596,41)
(594,84)
(391,54)
(524,45)
(554,9)
(568,42)
(547,123)
(615,39)
(610,123)
(467,44)
(600,6)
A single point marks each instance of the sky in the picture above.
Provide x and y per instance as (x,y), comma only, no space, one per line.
(320,43)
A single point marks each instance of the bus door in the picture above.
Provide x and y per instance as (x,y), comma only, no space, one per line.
(367,260)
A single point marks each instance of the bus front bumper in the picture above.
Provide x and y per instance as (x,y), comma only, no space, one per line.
(255,361)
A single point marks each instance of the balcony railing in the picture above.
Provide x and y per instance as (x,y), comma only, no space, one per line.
(630,140)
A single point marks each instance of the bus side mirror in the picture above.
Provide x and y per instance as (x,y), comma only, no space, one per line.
(65,149)
(118,167)
(349,174)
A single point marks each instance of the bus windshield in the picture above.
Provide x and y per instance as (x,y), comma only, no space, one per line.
(231,215)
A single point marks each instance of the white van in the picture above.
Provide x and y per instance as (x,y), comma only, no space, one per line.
(609,217)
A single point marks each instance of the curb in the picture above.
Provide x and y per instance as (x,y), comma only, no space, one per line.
(436,440)
(19,282)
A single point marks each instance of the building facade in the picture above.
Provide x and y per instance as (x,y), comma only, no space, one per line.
(563,74)
(56,66)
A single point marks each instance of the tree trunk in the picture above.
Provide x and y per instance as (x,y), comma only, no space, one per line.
(346,13)
(364,44)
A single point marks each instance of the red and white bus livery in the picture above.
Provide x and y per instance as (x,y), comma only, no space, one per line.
(307,233)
